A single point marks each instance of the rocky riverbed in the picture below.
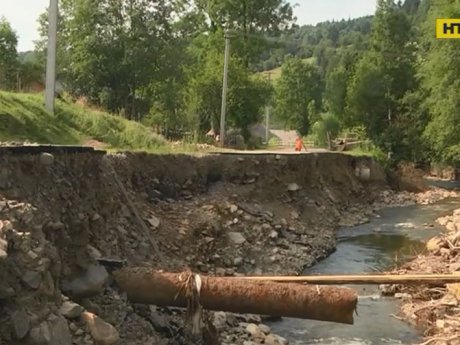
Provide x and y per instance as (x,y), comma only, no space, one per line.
(436,310)
(60,215)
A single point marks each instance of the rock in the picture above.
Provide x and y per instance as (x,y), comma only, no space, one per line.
(272,339)
(233,209)
(273,234)
(3,254)
(21,323)
(40,334)
(157,320)
(238,261)
(32,279)
(265,328)
(46,159)
(93,252)
(295,215)
(388,289)
(456,216)
(55,226)
(255,332)
(71,310)
(402,296)
(220,320)
(293,187)
(154,222)
(6,292)
(91,283)
(102,332)
(435,244)
(440,324)
(451,227)
(60,333)
(236,237)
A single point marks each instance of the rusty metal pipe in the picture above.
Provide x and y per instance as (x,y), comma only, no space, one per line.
(322,303)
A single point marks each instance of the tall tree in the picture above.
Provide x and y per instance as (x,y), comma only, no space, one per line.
(8,55)
(298,94)
(440,72)
(250,20)
(110,50)
(247,95)
(384,75)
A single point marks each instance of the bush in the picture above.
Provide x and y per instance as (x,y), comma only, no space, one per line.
(328,123)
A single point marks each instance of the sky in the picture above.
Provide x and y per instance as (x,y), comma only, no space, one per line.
(23,14)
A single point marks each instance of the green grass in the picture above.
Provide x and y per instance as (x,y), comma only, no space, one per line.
(24,118)
(275,73)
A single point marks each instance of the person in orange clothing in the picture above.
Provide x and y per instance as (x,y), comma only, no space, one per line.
(299,144)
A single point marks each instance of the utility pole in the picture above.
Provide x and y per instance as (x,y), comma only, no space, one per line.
(51,56)
(267,115)
(224,90)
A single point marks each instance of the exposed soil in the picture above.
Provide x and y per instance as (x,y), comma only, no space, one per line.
(220,214)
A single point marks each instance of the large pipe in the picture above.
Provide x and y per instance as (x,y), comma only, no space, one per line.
(333,304)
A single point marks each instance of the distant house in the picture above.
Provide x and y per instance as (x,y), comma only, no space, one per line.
(38,86)
(33,87)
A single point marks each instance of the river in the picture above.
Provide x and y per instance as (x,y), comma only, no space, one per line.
(397,236)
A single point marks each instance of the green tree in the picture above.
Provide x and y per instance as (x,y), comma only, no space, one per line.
(298,86)
(440,72)
(250,20)
(336,90)
(383,76)
(247,96)
(8,55)
(110,51)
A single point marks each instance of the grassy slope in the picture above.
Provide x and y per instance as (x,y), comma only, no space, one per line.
(275,73)
(23,117)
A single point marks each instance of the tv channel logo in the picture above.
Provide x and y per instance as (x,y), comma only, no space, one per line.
(447,28)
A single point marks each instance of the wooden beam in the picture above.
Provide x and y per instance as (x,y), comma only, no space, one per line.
(406,279)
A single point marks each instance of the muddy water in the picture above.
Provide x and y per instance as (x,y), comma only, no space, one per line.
(396,237)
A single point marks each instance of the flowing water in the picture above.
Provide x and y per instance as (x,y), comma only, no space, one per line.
(386,242)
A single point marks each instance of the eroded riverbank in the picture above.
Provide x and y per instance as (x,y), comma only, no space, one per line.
(222,215)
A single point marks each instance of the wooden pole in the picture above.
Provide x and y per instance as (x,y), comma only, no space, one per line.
(428,279)
(146,286)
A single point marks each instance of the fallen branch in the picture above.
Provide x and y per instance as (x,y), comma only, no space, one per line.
(429,341)
(323,303)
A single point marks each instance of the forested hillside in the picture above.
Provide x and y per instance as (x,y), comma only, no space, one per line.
(383,77)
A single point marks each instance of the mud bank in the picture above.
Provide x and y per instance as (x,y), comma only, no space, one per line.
(436,310)
(218,214)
